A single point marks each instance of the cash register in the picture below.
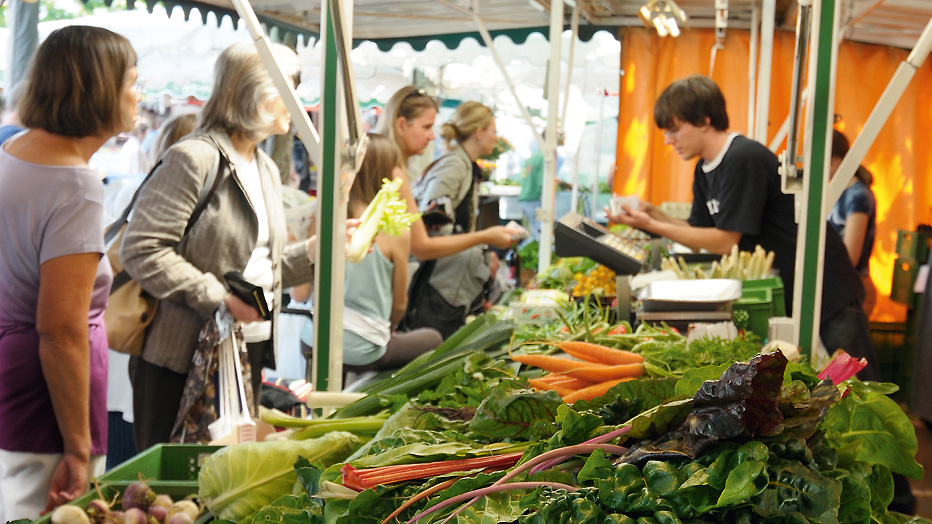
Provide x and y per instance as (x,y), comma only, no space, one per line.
(577,236)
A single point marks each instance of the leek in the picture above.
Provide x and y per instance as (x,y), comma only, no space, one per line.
(386,213)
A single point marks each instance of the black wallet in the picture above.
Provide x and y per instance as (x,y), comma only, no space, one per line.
(248,293)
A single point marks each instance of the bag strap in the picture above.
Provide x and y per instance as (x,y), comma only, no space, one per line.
(210,187)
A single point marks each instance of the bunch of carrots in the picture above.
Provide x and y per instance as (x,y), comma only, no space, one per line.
(594,371)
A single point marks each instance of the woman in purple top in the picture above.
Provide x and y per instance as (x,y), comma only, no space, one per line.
(54,279)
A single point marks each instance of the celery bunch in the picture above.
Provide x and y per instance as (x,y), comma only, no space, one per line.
(386,213)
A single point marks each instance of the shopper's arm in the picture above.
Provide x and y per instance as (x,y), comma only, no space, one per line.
(400,251)
(65,286)
(855,232)
(696,238)
(425,247)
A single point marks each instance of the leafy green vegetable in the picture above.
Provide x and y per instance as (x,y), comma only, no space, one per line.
(506,414)
(667,354)
(654,422)
(386,213)
(291,509)
(483,334)
(237,481)
(627,399)
(875,426)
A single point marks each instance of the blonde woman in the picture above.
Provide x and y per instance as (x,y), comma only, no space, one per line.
(408,120)
(445,291)
(242,228)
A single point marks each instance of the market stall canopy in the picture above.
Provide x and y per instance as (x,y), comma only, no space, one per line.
(888,22)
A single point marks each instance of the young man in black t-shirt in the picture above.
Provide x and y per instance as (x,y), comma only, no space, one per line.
(737,200)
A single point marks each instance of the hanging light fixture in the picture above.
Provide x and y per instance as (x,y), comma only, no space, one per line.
(664,16)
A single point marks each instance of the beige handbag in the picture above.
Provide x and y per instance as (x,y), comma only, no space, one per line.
(130,309)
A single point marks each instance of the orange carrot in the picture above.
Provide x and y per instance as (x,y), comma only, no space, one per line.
(552,378)
(554,364)
(558,381)
(562,391)
(599,354)
(596,390)
(594,373)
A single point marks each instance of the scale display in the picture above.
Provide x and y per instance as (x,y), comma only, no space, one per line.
(577,236)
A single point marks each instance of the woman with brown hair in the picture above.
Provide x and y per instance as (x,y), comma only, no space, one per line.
(376,288)
(54,280)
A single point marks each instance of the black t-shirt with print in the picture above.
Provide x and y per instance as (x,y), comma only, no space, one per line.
(742,194)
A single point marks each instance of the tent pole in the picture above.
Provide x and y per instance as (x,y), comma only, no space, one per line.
(545,214)
(752,65)
(574,29)
(765,67)
(487,39)
(23,39)
(878,117)
(810,242)
(594,205)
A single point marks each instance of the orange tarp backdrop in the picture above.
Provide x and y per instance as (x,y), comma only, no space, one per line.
(900,158)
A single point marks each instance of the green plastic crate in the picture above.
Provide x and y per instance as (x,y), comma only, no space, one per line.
(758,303)
(775,285)
(162,462)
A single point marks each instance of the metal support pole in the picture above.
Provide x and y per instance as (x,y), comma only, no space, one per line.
(23,20)
(487,39)
(768,22)
(810,244)
(548,197)
(752,66)
(790,156)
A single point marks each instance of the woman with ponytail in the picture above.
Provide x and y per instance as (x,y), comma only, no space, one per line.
(446,290)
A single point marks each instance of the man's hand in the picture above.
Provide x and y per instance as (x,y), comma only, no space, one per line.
(637,218)
(68,482)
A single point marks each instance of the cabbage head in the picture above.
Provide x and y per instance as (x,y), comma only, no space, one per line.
(239,480)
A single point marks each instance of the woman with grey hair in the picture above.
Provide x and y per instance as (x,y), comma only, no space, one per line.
(241,228)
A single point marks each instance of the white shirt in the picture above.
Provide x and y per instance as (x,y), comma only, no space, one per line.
(258,269)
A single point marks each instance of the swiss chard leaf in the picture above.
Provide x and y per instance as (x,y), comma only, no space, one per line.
(656,421)
(597,467)
(795,490)
(856,495)
(877,428)
(507,414)
(694,378)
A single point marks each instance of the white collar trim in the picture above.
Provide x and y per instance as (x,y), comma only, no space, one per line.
(709,166)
